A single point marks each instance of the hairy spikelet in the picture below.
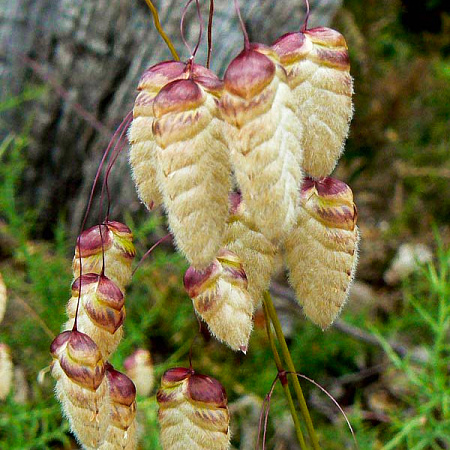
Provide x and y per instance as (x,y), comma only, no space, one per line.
(143,147)
(194,166)
(116,240)
(139,368)
(6,371)
(256,252)
(265,139)
(81,386)
(220,297)
(193,412)
(321,252)
(318,69)
(3,298)
(121,433)
(101,312)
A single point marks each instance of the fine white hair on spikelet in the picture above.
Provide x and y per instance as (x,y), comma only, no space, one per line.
(121,433)
(193,412)
(257,253)
(112,239)
(142,156)
(265,139)
(321,252)
(193,165)
(318,69)
(220,297)
(81,386)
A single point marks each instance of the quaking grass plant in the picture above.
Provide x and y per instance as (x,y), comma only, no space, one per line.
(241,168)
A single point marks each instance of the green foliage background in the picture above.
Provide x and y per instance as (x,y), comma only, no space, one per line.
(398,152)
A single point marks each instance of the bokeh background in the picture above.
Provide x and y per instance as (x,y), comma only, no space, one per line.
(69,71)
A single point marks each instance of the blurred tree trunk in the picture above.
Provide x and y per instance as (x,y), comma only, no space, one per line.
(95,50)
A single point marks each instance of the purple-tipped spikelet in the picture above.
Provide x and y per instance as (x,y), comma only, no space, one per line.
(265,139)
(6,371)
(318,69)
(116,240)
(220,297)
(321,252)
(81,386)
(139,368)
(122,430)
(193,412)
(101,312)
(143,147)
(257,253)
(193,165)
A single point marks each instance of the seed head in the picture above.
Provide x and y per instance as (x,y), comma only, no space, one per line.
(6,371)
(321,252)
(139,368)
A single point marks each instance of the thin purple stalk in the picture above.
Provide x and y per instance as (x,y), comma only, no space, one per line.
(244,29)
(147,253)
(305,23)
(210,25)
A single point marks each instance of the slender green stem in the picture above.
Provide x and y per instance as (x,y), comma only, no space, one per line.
(287,391)
(291,368)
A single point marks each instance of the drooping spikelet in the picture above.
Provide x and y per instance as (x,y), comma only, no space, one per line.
(265,139)
(318,69)
(3,298)
(81,386)
(193,165)
(321,252)
(219,294)
(6,371)
(101,312)
(139,368)
(143,147)
(193,412)
(256,252)
(121,433)
(116,240)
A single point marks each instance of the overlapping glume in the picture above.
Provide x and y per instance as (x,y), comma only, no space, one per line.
(6,371)
(101,311)
(220,297)
(193,412)
(257,253)
(142,156)
(318,69)
(193,165)
(265,138)
(81,386)
(111,243)
(139,368)
(321,251)
(122,429)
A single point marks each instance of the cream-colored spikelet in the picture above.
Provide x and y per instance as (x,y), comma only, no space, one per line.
(220,297)
(193,412)
(116,241)
(81,386)
(321,252)
(6,371)
(143,147)
(139,368)
(194,166)
(318,68)
(121,433)
(3,298)
(256,252)
(265,139)
(101,312)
